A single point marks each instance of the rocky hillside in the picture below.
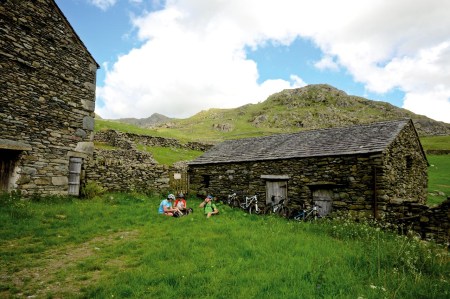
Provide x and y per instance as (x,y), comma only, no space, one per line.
(149,122)
(310,107)
(322,106)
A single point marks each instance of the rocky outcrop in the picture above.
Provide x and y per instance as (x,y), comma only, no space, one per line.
(323,106)
(155,119)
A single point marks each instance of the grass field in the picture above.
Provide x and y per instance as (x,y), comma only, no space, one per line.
(117,246)
(435,142)
(438,178)
(169,155)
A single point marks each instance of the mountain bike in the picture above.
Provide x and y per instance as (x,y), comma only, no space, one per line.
(308,214)
(279,208)
(250,204)
(232,200)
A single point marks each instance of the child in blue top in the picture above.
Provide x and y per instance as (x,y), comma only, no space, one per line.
(166,207)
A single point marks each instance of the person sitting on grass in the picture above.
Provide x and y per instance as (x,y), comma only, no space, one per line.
(180,204)
(209,206)
(166,207)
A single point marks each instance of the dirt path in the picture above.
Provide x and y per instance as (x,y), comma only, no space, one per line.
(57,273)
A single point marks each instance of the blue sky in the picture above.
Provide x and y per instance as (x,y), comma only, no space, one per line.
(179,57)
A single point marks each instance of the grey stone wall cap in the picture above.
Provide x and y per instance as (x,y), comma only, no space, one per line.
(275,177)
(85,147)
(77,154)
(14,145)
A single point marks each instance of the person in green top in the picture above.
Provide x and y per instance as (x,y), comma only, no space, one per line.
(209,206)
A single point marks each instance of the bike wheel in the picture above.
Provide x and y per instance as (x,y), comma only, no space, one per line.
(235,203)
(268,210)
(310,217)
(301,216)
(284,212)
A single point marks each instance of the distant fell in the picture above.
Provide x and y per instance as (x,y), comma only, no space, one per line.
(149,122)
(291,110)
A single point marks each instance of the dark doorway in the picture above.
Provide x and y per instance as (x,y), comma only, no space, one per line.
(8,161)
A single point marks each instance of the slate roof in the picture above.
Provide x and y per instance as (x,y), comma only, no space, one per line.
(359,139)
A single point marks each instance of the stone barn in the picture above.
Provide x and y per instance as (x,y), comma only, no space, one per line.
(47,100)
(363,169)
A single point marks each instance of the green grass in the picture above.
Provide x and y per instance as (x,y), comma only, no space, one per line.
(119,247)
(438,178)
(103,145)
(169,155)
(436,142)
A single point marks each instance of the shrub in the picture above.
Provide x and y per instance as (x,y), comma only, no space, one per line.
(92,189)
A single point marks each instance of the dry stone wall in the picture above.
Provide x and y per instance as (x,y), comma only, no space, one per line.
(431,223)
(127,170)
(349,177)
(405,169)
(129,140)
(47,98)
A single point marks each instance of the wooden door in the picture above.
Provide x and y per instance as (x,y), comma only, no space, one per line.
(74,175)
(324,199)
(277,189)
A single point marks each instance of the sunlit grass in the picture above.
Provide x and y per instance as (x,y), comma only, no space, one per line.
(170,155)
(436,142)
(119,247)
(103,145)
(438,178)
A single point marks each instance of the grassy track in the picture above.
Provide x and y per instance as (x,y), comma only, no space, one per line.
(118,247)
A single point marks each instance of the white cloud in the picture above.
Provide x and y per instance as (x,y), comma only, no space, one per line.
(327,63)
(193,54)
(434,103)
(103,4)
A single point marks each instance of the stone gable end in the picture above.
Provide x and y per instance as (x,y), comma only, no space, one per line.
(47,100)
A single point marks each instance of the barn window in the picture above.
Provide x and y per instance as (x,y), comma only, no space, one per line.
(409,162)
(74,175)
(206,180)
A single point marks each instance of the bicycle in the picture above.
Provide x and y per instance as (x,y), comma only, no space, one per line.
(232,200)
(279,208)
(308,214)
(250,204)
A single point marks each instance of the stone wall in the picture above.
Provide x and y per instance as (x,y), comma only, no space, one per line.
(431,223)
(129,140)
(127,170)
(349,177)
(405,169)
(47,99)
